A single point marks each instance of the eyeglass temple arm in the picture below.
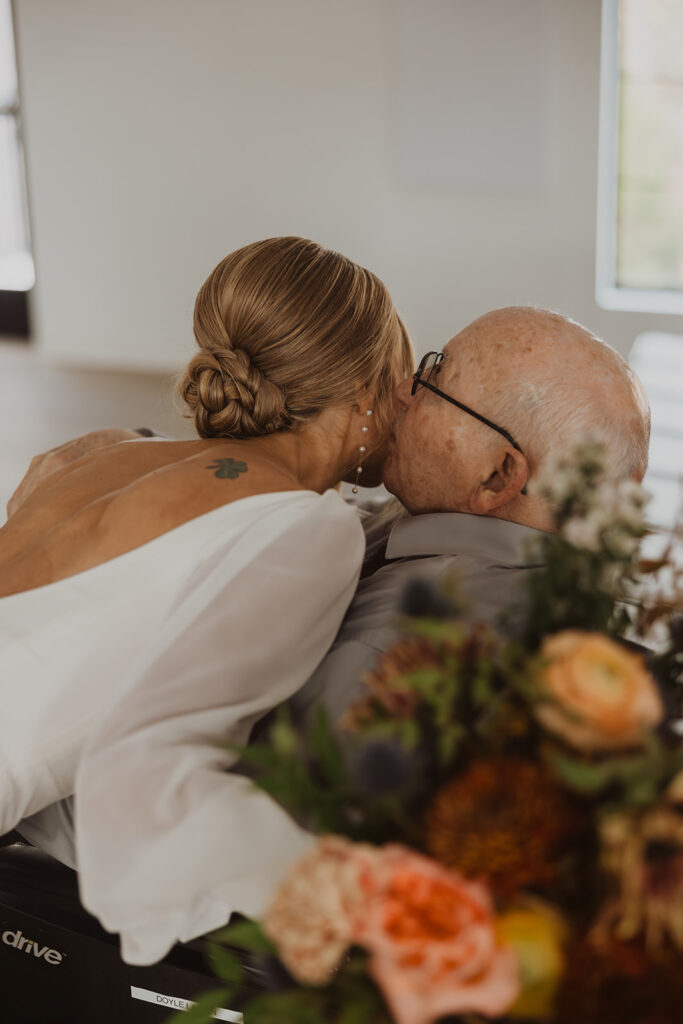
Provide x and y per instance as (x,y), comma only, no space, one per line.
(477,416)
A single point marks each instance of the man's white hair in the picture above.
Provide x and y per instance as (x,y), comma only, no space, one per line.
(548,416)
(559,404)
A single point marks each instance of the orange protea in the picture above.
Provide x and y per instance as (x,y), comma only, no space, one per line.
(504,820)
(389,693)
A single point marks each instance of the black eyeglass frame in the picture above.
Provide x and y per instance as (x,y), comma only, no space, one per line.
(419,382)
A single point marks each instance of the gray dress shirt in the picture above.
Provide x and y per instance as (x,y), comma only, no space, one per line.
(489,560)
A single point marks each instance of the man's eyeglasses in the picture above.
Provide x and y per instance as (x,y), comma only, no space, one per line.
(429,367)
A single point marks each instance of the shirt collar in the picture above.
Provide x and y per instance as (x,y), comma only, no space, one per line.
(458,533)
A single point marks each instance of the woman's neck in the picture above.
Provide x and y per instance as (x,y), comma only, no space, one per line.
(305,456)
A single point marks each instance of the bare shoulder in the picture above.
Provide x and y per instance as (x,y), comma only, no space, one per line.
(196,480)
(46,464)
(119,497)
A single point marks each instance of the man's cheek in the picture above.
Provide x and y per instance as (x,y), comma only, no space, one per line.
(423,432)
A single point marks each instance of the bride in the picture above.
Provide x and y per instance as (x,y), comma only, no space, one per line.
(158,597)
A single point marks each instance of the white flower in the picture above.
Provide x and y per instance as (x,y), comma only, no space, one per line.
(596,510)
(621,543)
(631,501)
(610,579)
(583,533)
(559,479)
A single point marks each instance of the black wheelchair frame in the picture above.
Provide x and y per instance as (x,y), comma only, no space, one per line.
(59,966)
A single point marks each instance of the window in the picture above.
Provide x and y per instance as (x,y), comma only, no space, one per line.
(16,263)
(657,358)
(640,195)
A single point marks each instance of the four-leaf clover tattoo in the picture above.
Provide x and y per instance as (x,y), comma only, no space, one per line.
(228,469)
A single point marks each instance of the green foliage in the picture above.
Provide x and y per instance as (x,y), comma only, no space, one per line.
(325,749)
(203,1010)
(306,774)
(456,700)
(244,934)
(349,998)
(635,779)
(568,594)
(310,773)
(225,964)
(297,1006)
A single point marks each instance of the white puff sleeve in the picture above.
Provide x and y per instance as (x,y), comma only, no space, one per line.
(169,843)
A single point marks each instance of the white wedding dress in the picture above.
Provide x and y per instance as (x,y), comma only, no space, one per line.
(125,683)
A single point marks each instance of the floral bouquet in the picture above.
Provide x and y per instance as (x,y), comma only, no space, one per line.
(500,819)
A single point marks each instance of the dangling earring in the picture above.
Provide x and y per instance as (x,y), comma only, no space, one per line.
(362,450)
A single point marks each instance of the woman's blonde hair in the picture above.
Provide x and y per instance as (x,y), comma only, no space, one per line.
(286,328)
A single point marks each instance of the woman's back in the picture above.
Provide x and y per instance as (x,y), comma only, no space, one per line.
(122,496)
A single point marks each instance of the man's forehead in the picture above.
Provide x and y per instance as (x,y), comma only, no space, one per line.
(453,353)
(466,362)
(448,350)
(458,344)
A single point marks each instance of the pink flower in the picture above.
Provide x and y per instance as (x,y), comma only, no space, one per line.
(312,917)
(432,940)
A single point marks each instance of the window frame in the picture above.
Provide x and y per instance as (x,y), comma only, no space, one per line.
(14,303)
(608,294)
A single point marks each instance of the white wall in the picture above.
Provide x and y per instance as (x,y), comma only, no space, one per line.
(161,134)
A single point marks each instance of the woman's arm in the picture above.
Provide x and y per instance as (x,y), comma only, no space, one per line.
(41,466)
(169,841)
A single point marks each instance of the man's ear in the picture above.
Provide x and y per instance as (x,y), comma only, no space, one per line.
(505,483)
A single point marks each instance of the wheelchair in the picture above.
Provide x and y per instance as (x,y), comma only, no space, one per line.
(59,966)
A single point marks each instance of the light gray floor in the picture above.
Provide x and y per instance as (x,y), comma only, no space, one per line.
(42,406)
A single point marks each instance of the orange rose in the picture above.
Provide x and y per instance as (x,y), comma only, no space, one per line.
(432,940)
(601,695)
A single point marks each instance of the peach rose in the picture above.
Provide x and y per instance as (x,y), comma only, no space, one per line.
(601,695)
(312,917)
(432,940)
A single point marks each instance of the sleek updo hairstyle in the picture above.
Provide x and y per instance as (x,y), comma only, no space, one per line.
(287,328)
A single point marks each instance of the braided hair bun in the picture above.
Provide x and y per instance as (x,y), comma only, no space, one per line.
(286,328)
(230,397)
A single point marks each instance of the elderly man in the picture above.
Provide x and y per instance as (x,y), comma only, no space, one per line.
(474,427)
